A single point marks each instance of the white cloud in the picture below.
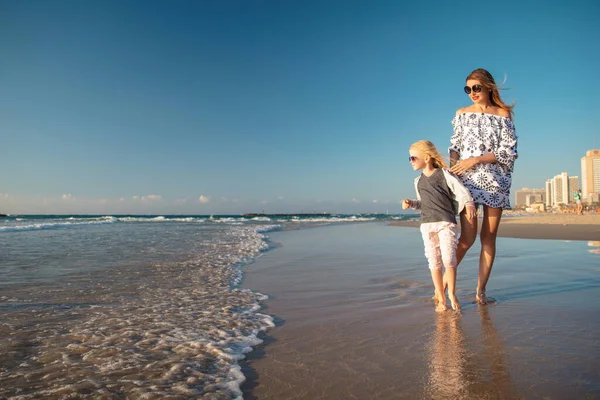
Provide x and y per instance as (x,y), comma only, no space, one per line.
(136,198)
(152,197)
(375,201)
(67,196)
(122,199)
(204,199)
(355,200)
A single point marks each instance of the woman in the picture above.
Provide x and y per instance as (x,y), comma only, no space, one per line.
(482,153)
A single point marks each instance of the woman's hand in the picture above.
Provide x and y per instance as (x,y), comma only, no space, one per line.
(471,211)
(462,165)
(406,204)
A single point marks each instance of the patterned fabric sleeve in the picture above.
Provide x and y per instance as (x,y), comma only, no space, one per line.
(456,139)
(506,153)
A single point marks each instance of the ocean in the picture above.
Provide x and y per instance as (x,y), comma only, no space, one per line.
(130,306)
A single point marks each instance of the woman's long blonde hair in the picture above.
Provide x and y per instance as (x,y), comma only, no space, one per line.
(426,148)
(488,82)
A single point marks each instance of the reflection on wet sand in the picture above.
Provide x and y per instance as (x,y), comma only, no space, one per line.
(594,243)
(468,369)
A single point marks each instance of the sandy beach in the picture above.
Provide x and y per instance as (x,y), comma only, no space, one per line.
(354,320)
(543,226)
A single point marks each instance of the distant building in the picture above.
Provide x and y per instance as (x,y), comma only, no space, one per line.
(573,187)
(590,175)
(549,199)
(536,207)
(560,189)
(525,197)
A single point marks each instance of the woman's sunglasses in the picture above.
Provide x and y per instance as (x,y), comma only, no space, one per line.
(474,88)
(412,159)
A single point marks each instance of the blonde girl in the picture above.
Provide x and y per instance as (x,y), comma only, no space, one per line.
(440,196)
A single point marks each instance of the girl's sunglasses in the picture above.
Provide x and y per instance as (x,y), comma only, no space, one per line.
(475,88)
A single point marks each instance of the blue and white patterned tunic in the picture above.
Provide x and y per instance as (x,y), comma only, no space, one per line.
(476,134)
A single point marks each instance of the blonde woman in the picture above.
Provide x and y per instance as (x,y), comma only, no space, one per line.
(440,196)
(482,153)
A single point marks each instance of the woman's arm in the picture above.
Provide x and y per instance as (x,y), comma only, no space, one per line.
(461,166)
(506,153)
(456,139)
(453,157)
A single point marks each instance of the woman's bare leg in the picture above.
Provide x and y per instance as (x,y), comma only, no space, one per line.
(488,234)
(468,234)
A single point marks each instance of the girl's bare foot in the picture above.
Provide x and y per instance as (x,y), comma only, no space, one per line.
(455,303)
(481,298)
(440,303)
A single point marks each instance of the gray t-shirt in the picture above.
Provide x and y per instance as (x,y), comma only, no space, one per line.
(436,198)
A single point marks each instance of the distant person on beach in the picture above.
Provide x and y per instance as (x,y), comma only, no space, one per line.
(577,197)
(440,196)
(482,153)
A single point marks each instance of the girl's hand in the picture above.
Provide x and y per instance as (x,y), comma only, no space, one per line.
(406,204)
(462,165)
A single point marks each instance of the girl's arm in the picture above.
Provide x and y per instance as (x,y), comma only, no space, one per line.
(460,193)
(411,203)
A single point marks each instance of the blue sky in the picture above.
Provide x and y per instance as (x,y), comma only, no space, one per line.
(216,107)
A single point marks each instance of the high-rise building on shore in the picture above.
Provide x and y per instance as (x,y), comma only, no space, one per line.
(573,187)
(549,193)
(590,174)
(560,189)
(525,196)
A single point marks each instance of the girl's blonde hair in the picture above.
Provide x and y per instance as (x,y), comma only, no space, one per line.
(426,148)
(488,82)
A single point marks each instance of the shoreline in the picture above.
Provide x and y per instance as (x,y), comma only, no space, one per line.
(544,226)
(354,319)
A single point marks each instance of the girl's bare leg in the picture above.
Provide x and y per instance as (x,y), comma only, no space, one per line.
(489,232)
(436,276)
(450,276)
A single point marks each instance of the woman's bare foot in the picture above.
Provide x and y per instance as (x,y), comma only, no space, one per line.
(454,301)
(481,298)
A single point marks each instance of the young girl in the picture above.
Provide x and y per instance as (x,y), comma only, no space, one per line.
(440,196)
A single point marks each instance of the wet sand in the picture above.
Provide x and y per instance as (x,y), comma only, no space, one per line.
(354,320)
(543,226)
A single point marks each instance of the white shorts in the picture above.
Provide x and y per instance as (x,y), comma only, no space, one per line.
(440,240)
